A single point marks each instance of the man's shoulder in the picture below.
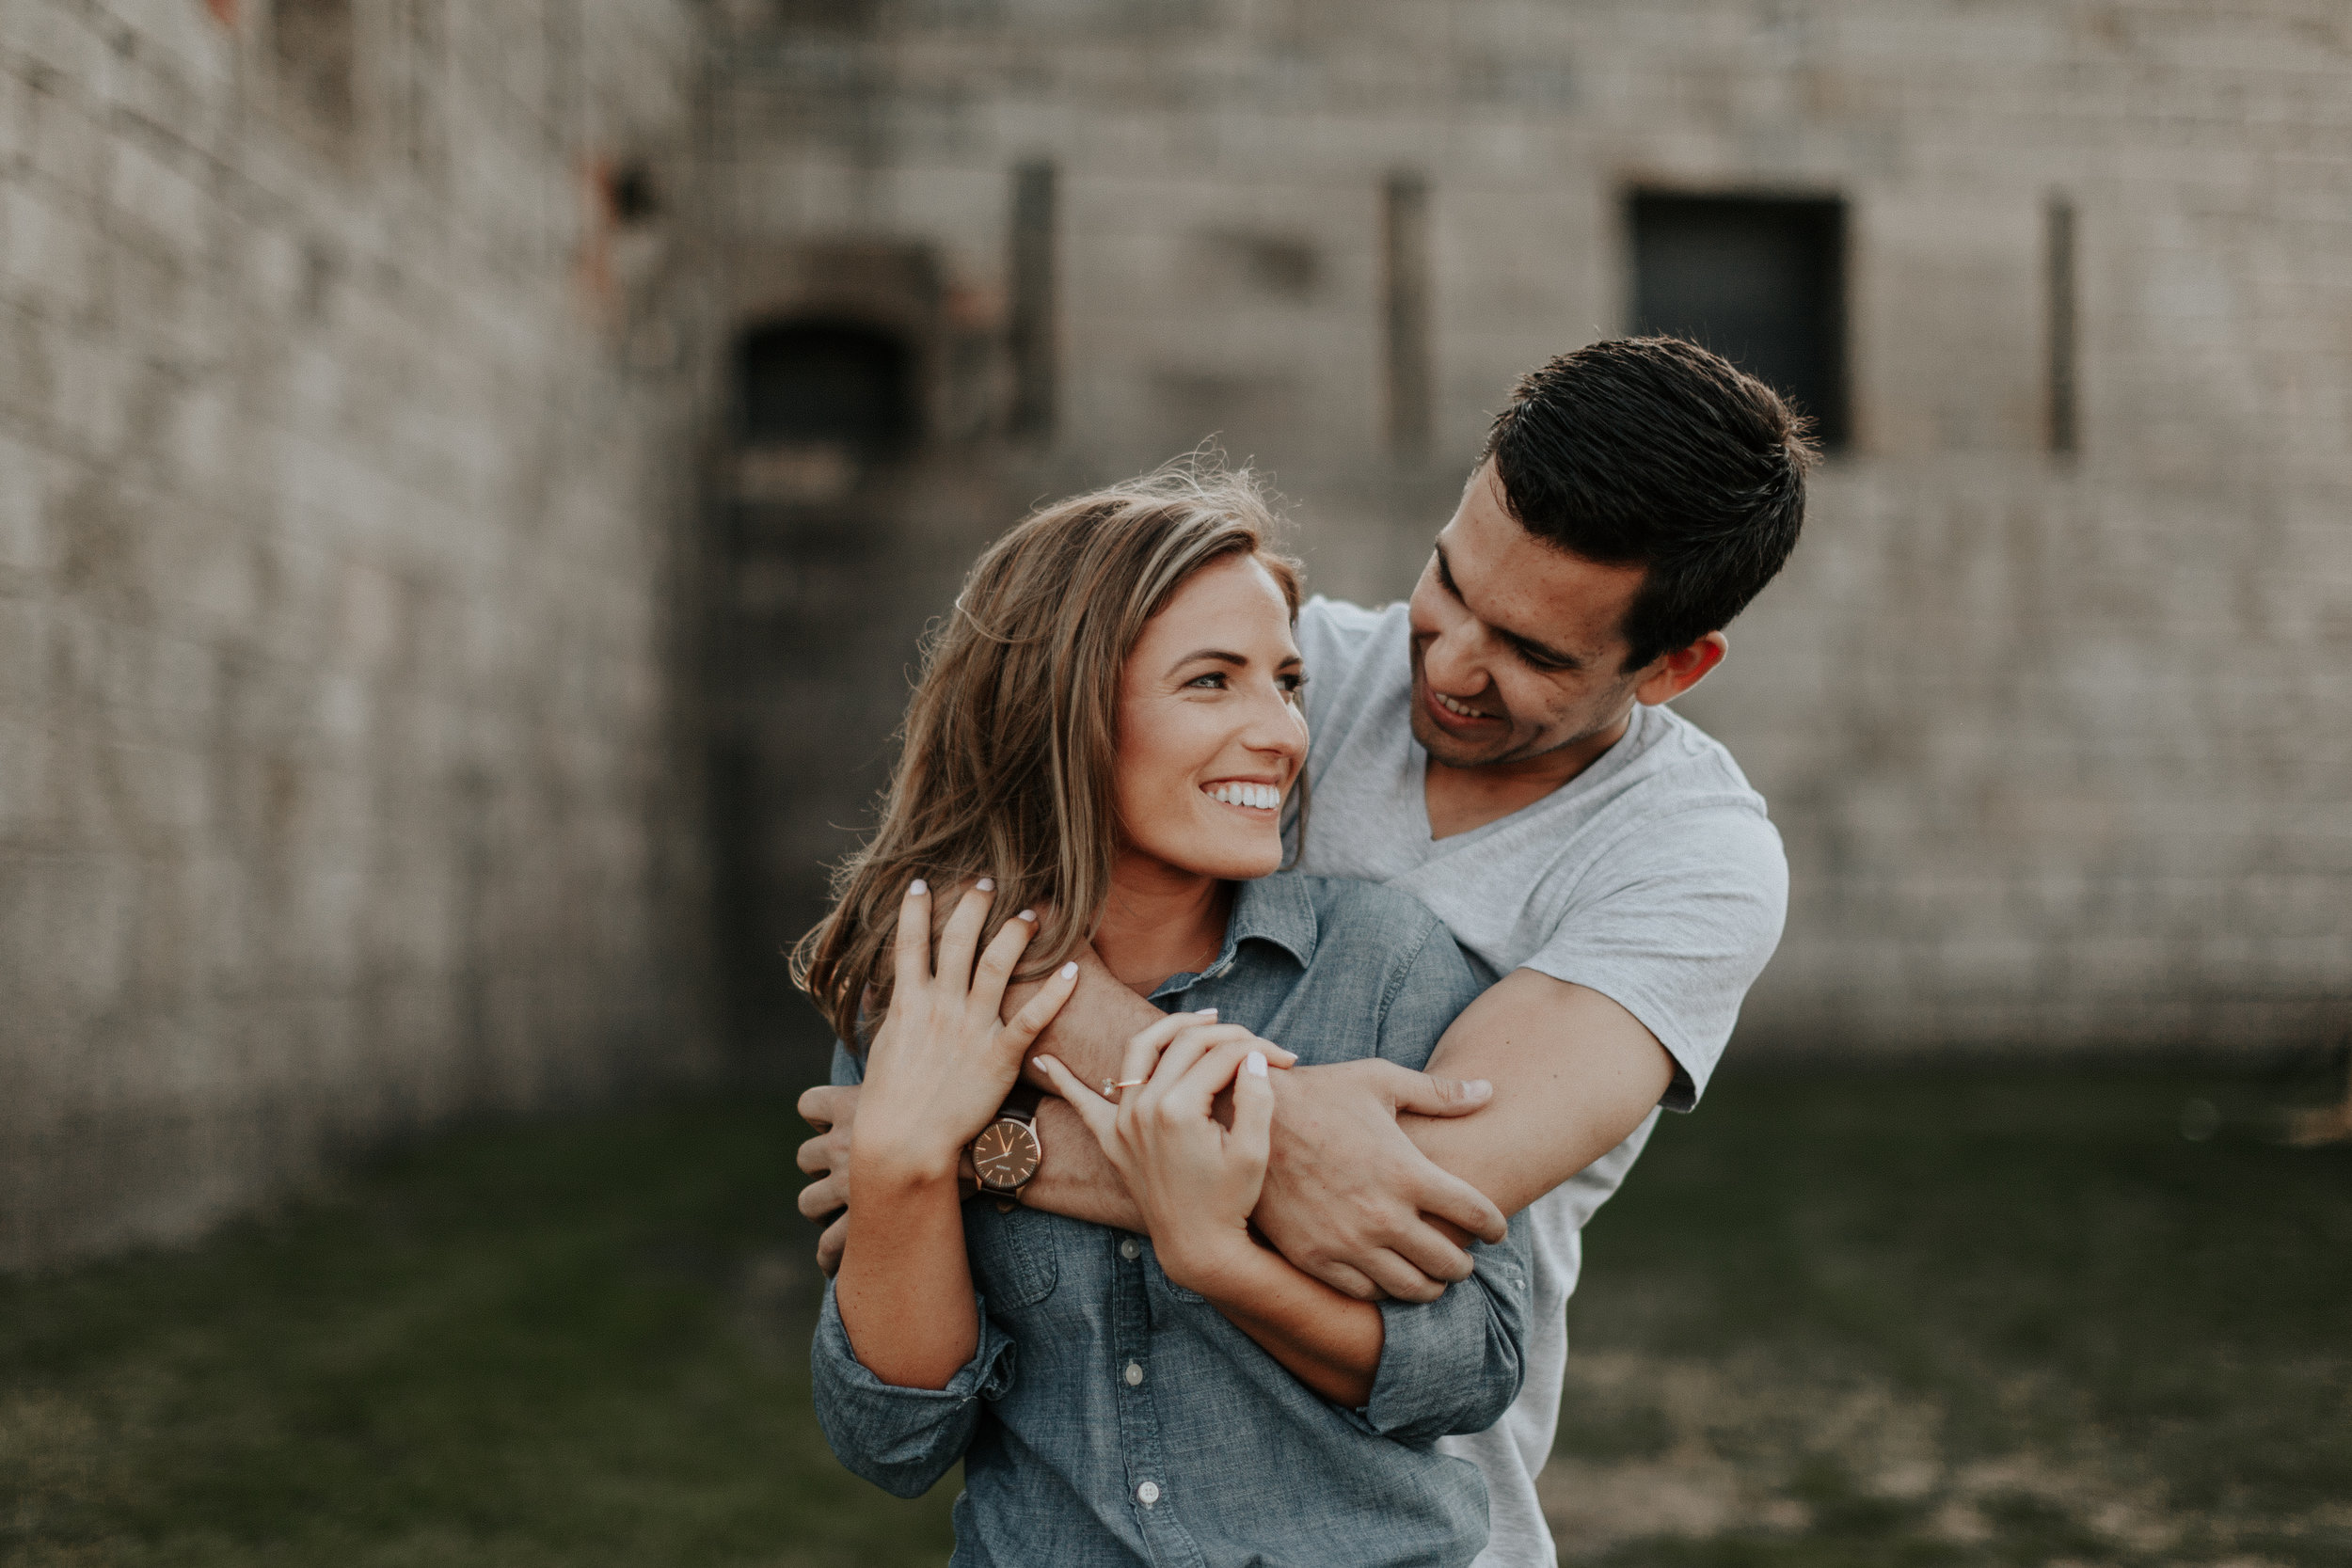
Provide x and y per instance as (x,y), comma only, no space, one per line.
(1677,807)
(1355,660)
(1335,630)
(1685,816)
(1341,618)
(1681,769)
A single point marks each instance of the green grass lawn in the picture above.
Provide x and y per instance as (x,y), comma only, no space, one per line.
(1966,1320)
(1957,1319)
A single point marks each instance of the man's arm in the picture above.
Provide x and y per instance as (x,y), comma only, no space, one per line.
(1354,1103)
(1574,1075)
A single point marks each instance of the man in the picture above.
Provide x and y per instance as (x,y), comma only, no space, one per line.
(1498,746)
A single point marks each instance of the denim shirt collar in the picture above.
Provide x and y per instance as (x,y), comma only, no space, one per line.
(1276,909)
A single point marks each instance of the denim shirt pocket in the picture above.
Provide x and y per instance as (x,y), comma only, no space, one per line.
(1014,1260)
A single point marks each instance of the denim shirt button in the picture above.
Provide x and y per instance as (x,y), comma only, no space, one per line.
(1135,1374)
(1130,1248)
(1147,1493)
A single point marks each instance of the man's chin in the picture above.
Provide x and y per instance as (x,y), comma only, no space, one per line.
(1451,749)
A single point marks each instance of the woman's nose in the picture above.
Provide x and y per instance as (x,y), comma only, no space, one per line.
(1275,725)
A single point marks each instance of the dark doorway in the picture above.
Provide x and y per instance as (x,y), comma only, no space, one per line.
(826,381)
(821,595)
(1761,280)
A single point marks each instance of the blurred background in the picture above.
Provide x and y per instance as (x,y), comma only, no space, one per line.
(472,479)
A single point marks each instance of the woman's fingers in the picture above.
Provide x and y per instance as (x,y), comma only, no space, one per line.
(1100,1114)
(961,938)
(1185,1092)
(994,970)
(1176,1059)
(1025,1026)
(1144,1048)
(915,938)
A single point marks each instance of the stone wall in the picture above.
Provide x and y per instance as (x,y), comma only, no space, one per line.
(391,588)
(2057,740)
(350,388)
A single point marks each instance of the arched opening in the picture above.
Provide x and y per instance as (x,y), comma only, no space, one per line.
(826,381)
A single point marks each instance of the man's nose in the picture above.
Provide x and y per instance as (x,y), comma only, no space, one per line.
(1451,658)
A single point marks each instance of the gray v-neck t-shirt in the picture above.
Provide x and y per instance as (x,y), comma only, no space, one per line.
(1653,877)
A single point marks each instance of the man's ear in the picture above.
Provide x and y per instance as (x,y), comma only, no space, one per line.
(1674,674)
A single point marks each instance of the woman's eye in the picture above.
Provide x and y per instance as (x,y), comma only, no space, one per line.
(1213,681)
(1294,683)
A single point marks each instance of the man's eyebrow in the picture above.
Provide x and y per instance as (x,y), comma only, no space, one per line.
(1527,647)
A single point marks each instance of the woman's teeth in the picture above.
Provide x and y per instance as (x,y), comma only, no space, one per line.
(1265,797)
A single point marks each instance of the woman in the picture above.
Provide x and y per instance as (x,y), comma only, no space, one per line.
(1104,740)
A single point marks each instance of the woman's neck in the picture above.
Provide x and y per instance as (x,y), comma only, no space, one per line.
(1160,921)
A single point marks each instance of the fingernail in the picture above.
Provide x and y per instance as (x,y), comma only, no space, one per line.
(1254,1063)
(1477,1086)
(1026,914)
(1042,1060)
(1208,1012)
(986,885)
(916,888)
(1069,970)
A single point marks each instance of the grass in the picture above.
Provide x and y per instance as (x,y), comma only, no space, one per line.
(1980,1319)
(576,1344)
(1959,1321)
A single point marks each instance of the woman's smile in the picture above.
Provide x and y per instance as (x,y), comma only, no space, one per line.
(1245,794)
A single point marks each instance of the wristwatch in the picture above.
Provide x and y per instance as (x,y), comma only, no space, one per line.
(1007,1153)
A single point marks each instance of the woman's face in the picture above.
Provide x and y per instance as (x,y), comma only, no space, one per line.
(1211,736)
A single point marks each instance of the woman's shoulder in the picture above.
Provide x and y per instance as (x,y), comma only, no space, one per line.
(1365,917)
(1381,957)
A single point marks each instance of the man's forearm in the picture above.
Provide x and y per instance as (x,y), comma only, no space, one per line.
(1090,1033)
(1574,1075)
(1077,1180)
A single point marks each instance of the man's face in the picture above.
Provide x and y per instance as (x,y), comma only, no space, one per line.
(1518,648)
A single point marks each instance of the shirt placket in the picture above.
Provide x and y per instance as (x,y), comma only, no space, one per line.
(1150,1489)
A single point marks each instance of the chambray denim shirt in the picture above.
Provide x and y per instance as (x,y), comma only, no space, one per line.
(1112,1417)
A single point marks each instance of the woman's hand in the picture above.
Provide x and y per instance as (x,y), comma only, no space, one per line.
(940,1070)
(1195,1180)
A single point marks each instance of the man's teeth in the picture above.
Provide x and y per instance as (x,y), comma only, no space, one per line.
(1452,707)
(1265,797)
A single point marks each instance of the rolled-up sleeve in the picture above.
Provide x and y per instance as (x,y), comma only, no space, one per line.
(1456,1364)
(902,1439)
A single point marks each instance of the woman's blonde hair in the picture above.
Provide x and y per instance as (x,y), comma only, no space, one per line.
(1011,738)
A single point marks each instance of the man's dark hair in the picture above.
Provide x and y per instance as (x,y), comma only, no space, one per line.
(1654,451)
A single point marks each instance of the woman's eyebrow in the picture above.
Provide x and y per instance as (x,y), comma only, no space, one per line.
(1217,653)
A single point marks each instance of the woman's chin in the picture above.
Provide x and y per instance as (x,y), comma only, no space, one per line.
(1240,863)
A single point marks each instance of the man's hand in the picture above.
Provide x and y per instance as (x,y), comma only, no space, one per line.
(1349,1200)
(831,1109)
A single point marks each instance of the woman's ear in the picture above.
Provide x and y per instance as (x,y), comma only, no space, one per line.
(1673,674)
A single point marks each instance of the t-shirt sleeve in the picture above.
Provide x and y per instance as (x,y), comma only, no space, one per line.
(1674,925)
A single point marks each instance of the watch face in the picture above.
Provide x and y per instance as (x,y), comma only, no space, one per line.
(1006,1154)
